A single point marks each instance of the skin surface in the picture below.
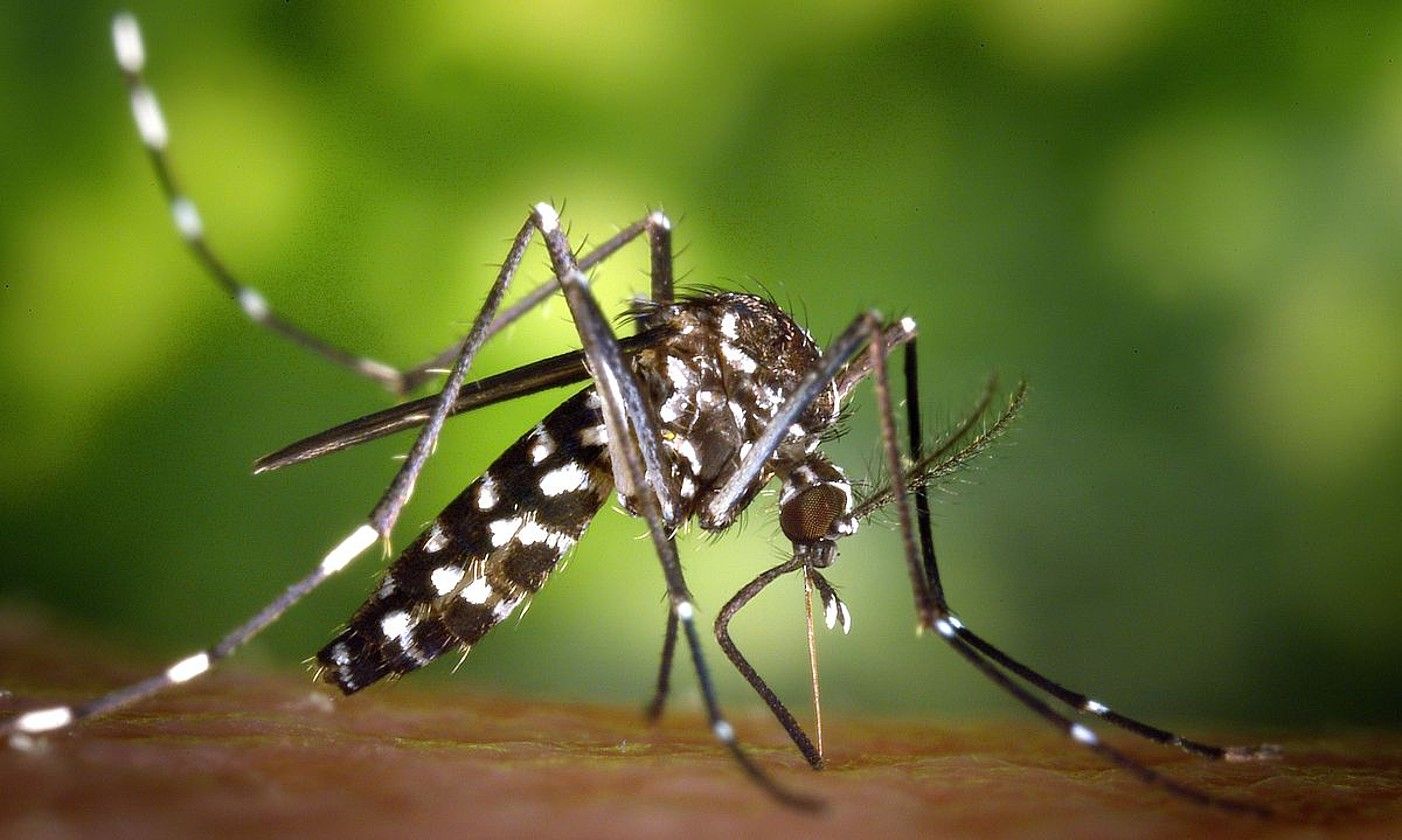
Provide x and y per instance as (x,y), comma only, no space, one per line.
(240,753)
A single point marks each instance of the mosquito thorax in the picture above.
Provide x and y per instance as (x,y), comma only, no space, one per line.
(729,363)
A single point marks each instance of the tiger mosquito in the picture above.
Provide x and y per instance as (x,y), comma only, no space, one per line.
(716,394)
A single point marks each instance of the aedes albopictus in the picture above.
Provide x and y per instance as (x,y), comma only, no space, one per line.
(713,396)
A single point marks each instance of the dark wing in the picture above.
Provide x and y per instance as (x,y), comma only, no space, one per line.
(554,372)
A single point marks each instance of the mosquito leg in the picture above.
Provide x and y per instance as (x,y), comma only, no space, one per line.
(659,229)
(1083,703)
(664,669)
(922,490)
(727,612)
(386,512)
(1086,736)
(601,349)
(660,249)
(155,136)
(934,613)
(20,729)
(151,125)
(381,523)
(722,729)
(626,410)
(1074,699)
(659,236)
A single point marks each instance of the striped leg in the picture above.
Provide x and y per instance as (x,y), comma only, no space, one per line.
(1074,699)
(1071,698)
(378,528)
(155,136)
(628,415)
(933,612)
(19,730)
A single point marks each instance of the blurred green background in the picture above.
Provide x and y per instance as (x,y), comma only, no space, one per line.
(1183,224)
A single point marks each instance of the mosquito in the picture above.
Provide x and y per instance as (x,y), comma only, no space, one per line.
(715,395)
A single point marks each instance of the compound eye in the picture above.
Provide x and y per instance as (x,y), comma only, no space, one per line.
(810,514)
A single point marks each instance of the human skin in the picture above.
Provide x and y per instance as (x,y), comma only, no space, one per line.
(244,752)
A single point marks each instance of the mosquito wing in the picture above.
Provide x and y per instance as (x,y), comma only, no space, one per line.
(554,372)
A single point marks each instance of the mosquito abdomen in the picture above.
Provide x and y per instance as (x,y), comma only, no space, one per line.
(488,551)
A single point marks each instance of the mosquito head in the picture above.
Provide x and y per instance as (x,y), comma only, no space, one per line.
(815,509)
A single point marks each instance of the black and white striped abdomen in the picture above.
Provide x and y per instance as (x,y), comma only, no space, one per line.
(488,551)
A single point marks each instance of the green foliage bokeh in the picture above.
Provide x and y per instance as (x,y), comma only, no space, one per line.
(1183,224)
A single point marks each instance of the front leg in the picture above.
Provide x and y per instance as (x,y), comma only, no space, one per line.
(727,612)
